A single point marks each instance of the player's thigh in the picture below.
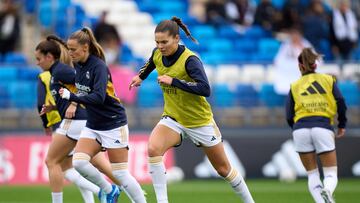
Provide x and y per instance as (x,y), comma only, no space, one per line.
(161,139)
(303,141)
(217,157)
(308,160)
(118,155)
(59,148)
(88,146)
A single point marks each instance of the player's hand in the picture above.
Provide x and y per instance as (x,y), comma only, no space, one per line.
(46,109)
(70,111)
(48,131)
(340,133)
(64,93)
(165,79)
(135,82)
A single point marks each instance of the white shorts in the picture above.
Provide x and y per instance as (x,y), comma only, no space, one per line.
(110,139)
(206,136)
(71,128)
(316,139)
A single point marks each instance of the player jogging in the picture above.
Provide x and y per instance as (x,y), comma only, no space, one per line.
(186,112)
(106,124)
(312,103)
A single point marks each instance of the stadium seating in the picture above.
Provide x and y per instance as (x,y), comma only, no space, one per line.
(351,92)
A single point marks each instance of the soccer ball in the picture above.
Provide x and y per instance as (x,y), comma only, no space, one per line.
(174,174)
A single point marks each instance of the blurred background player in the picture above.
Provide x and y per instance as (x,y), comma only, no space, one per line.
(106,125)
(186,112)
(52,56)
(312,103)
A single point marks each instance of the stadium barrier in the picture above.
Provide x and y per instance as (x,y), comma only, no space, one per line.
(22,159)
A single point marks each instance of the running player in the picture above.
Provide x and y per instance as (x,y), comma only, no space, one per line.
(186,112)
(50,120)
(312,103)
(106,125)
(52,56)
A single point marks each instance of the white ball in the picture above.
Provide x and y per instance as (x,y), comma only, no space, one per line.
(287,176)
(174,174)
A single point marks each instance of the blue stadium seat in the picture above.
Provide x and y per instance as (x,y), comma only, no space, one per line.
(223,96)
(172,6)
(351,92)
(256,32)
(245,45)
(220,45)
(8,73)
(45,14)
(15,57)
(247,95)
(269,98)
(203,32)
(149,95)
(213,58)
(268,45)
(23,94)
(227,31)
(279,4)
(28,73)
(4,95)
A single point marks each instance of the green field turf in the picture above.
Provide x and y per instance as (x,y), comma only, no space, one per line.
(214,191)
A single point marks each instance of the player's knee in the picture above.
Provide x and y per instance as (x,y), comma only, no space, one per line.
(79,160)
(154,150)
(50,163)
(223,170)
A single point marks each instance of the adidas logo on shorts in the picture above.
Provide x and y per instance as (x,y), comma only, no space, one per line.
(117,142)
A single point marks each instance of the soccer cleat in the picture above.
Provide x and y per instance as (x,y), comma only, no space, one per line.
(113,196)
(328,198)
(102,196)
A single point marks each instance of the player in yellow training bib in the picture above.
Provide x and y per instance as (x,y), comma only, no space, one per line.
(312,103)
(186,112)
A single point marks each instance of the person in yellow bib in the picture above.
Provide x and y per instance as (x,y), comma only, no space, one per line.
(50,120)
(312,103)
(187,114)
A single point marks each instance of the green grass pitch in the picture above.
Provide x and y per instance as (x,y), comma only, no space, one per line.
(199,191)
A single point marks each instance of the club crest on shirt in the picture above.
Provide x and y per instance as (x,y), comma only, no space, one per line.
(87,75)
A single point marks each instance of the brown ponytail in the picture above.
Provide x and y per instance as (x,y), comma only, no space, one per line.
(173,27)
(307,60)
(86,36)
(56,47)
(64,52)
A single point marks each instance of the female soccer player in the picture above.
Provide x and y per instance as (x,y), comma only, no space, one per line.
(186,112)
(50,120)
(312,103)
(106,125)
(52,56)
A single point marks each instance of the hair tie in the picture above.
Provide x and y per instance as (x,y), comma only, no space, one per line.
(84,30)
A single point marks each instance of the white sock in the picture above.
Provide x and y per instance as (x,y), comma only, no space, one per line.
(75,177)
(87,195)
(128,182)
(57,197)
(315,186)
(87,188)
(237,182)
(81,163)
(330,178)
(158,175)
